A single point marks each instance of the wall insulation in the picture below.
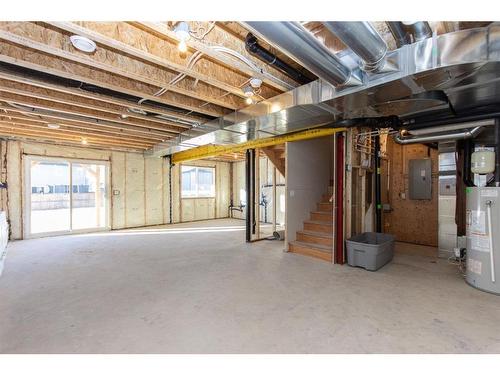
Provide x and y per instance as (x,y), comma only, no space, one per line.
(139,186)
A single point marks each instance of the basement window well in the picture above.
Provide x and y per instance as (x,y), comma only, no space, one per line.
(198,182)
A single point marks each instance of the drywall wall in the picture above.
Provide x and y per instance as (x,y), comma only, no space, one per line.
(414,221)
(308,168)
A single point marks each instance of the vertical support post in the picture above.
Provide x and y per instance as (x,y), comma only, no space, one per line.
(275,203)
(378,197)
(248,234)
(257,185)
(497,152)
(339,200)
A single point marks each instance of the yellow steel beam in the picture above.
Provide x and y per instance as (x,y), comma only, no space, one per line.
(209,151)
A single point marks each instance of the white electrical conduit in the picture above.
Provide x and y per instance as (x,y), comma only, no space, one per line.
(490,238)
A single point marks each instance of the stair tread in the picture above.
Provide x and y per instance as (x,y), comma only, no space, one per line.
(322,222)
(324,248)
(317,234)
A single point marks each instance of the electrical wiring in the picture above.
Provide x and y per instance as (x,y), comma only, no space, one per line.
(201,30)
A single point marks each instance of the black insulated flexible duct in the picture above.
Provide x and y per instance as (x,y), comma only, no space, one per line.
(409,32)
(255,49)
(299,44)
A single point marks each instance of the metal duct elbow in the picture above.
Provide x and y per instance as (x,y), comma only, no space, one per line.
(470,133)
(304,48)
(363,40)
(409,32)
(254,48)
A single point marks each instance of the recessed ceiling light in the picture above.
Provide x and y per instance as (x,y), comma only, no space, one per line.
(53,126)
(255,83)
(83,44)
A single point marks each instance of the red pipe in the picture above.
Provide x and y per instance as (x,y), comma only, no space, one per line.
(339,202)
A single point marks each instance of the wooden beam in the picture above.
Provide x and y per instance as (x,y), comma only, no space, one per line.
(158,28)
(92,61)
(78,111)
(101,99)
(6,129)
(207,151)
(61,118)
(20,56)
(97,131)
(17,126)
(38,139)
(143,55)
(139,120)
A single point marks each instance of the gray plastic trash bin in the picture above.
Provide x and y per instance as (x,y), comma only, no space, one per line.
(370,250)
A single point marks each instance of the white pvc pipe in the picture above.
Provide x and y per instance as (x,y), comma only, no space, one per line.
(490,238)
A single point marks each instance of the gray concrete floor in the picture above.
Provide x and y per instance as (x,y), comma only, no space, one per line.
(199,288)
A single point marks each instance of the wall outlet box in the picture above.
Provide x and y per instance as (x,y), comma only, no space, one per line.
(116,192)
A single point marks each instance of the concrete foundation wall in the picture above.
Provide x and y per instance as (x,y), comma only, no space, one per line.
(139,190)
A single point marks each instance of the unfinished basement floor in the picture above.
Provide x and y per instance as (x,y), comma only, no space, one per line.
(199,288)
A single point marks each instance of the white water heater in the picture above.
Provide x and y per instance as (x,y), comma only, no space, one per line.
(483,238)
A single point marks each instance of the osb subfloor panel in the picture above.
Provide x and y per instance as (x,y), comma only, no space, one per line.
(199,288)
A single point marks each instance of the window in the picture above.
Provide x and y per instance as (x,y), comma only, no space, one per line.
(198,182)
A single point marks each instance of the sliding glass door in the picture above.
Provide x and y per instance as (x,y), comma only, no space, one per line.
(65,196)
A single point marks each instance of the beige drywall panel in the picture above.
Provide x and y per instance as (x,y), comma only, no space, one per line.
(154,191)
(239,188)
(118,203)
(307,179)
(134,191)
(222,189)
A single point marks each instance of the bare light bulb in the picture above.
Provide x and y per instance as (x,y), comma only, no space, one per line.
(249,101)
(84,141)
(182,46)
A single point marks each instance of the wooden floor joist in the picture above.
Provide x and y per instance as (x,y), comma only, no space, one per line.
(94,63)
(86,123)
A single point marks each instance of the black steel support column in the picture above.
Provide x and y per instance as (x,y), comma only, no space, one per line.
(250,194)
(378,197)
(497,152)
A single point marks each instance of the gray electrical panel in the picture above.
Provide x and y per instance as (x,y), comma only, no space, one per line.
(420,178)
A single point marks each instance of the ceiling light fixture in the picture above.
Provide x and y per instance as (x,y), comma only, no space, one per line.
(53,126)
(248,91)
(84,141)
(249,101)
(181,30)
(83,44)
(256,83)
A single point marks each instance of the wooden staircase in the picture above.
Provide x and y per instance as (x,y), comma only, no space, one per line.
(316,239)
(276,154)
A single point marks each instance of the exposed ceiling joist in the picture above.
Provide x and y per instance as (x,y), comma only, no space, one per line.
(134,119)
(94,63)
(12,54)
(102,100)
(161,29)
(145,56)
(86,123)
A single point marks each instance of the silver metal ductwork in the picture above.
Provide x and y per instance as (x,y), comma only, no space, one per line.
(302,46)
(363,40)
(466,134)
(409,32)
(460,70)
